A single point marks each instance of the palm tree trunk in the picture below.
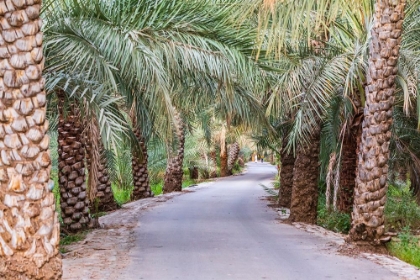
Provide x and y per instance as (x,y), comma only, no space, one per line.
(213,156)
(402,172)
(174,171)
(223,154)
(286,177)
(71,155)
(30,233)
(347,174)
(372,170)
(349,154)
(100,193)
(305,182)
(233,156)
(139,169)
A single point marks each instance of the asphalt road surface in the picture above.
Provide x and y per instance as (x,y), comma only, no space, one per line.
(226,231)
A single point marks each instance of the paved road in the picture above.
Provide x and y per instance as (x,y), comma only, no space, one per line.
(226,231)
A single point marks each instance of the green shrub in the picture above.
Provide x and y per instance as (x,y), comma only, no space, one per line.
(157,188)
(406,248)
(186,182)
(332,220)
(401,209)
(237,168)
(121,195)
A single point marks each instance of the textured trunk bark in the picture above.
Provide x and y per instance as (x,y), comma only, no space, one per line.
(140,171)
(349,154)
(286,177)
(233,156)
(100,196)
(30,231)
(347,174)
(402,172)
(71,155)
(193,172)
(305,183)
(224,162)
(213,156)
(372,169)
(174,171)
(223,154)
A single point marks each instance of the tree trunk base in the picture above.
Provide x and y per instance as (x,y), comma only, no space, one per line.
(140,170)
(286,179)
(305,184)
(362,233)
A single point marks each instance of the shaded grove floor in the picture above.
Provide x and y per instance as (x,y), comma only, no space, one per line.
(226,231)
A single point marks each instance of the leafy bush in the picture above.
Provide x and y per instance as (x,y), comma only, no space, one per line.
(186,182)
(157,188)
(401,209)
(332,220)
(121,195)
(237,168)
(406,248)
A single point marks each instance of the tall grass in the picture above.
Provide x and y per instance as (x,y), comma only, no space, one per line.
(332,220)
(401,209)
(406,247)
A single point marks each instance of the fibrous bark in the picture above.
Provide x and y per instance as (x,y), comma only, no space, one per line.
(71,176)
(233,156)
(286,177)
(174,171)
(223,154)
(347,174)
(224,162)
(349,154)
(139,169)
(305,183)
(372,169)
(29,231)
(101,197)
(213,157)
(402,172)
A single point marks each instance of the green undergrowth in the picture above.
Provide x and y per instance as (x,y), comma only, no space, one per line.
(332,220)
(157,188)
(56,192)
(402,213)
(188,182)
(67,239)
(406,247)
(121,195)
(401,209)
(237,168)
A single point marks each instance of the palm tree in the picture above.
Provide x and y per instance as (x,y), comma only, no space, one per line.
(74,200)
(286,175)
(174,170)
(223,153)
(139,167)
(31,232)
(372,170)
(233,156)
(100,193)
